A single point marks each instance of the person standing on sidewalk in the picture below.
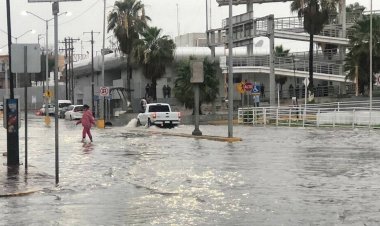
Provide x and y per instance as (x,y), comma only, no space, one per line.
(87,120)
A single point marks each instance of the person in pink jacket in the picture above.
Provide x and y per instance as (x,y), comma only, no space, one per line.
(87,120)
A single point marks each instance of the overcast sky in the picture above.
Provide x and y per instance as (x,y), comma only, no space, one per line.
(87,15)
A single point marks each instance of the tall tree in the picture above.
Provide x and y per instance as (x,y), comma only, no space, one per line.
(183,89)
(279,53)
(127,20)
(316,15)
(154,51)
(358,55)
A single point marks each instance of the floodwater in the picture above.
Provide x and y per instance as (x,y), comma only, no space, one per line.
(135,176)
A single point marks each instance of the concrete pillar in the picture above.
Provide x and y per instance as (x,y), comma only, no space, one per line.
(250,9)
(342,21)
(272,81)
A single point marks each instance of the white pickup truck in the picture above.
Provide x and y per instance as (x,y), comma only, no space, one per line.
(158,114)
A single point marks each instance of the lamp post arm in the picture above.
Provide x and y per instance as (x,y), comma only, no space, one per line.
(26,32)
(37,16)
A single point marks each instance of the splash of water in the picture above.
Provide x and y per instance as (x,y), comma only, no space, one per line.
(132,123)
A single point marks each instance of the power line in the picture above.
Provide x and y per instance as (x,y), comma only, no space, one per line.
(82,14)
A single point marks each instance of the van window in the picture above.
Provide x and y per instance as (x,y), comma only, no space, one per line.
(62,105)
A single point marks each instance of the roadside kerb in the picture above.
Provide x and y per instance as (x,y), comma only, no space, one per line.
(206,137)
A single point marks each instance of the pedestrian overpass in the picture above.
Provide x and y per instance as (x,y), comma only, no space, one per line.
(285,66)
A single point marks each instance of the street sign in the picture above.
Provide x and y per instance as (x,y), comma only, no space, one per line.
(104,91)
(256,90)
(306,81)
(248,86)
(240,87)
(197,75)
(33,58)
(48,93)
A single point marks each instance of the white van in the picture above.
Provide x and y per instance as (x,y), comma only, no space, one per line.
(62,106)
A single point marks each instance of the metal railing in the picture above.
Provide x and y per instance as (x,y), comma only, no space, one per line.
(288,63)
(243,25)
(312,116)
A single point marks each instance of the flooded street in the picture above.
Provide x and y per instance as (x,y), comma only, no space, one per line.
(136,176)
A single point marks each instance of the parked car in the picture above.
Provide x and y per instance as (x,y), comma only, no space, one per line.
(51,109)
(74,112)
(61,105)
(158,114)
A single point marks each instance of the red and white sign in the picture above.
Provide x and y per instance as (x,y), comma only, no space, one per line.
(248,86)
(104,91)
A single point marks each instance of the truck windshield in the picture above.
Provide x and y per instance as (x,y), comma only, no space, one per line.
(159,108)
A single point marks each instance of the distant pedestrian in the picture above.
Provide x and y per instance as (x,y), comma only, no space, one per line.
(147,91)
(165,91)
(256,100)
(87,120)
(169,90)
(143,104)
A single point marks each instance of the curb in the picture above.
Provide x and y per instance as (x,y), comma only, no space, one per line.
(18,194)
(205,137)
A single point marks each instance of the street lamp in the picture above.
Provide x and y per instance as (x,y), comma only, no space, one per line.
(25,13)
(40,36)
(102,117)
(370,66)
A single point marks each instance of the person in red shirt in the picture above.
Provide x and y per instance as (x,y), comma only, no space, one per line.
(87,120)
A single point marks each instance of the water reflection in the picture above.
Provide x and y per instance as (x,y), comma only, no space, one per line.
(284,176)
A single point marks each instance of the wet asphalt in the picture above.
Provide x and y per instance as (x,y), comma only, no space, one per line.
(138,176)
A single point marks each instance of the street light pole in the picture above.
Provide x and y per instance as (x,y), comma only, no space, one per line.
(370,66)
(230,74)
(47,118)
(55,10)
(12,136)
(102,105)
(92,71)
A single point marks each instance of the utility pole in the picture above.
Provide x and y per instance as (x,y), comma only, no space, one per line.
(92,71)
(66,42)
(12,136)
(66,79)
(69,47)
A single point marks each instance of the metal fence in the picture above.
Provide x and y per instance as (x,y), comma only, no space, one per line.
(342,114)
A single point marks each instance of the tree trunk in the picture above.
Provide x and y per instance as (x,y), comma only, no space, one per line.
(129,76)
(154,89)
(311,54)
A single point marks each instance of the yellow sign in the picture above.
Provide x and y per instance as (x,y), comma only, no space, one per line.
(240,87)
(48,93)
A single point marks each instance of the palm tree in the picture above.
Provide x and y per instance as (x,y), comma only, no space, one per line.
(316,15)
(127,20)
(154,52)
(183,89)
(358,55)
(280,52)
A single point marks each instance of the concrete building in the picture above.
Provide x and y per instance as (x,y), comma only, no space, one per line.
(191,40)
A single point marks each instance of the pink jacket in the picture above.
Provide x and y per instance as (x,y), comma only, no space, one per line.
(87,119)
